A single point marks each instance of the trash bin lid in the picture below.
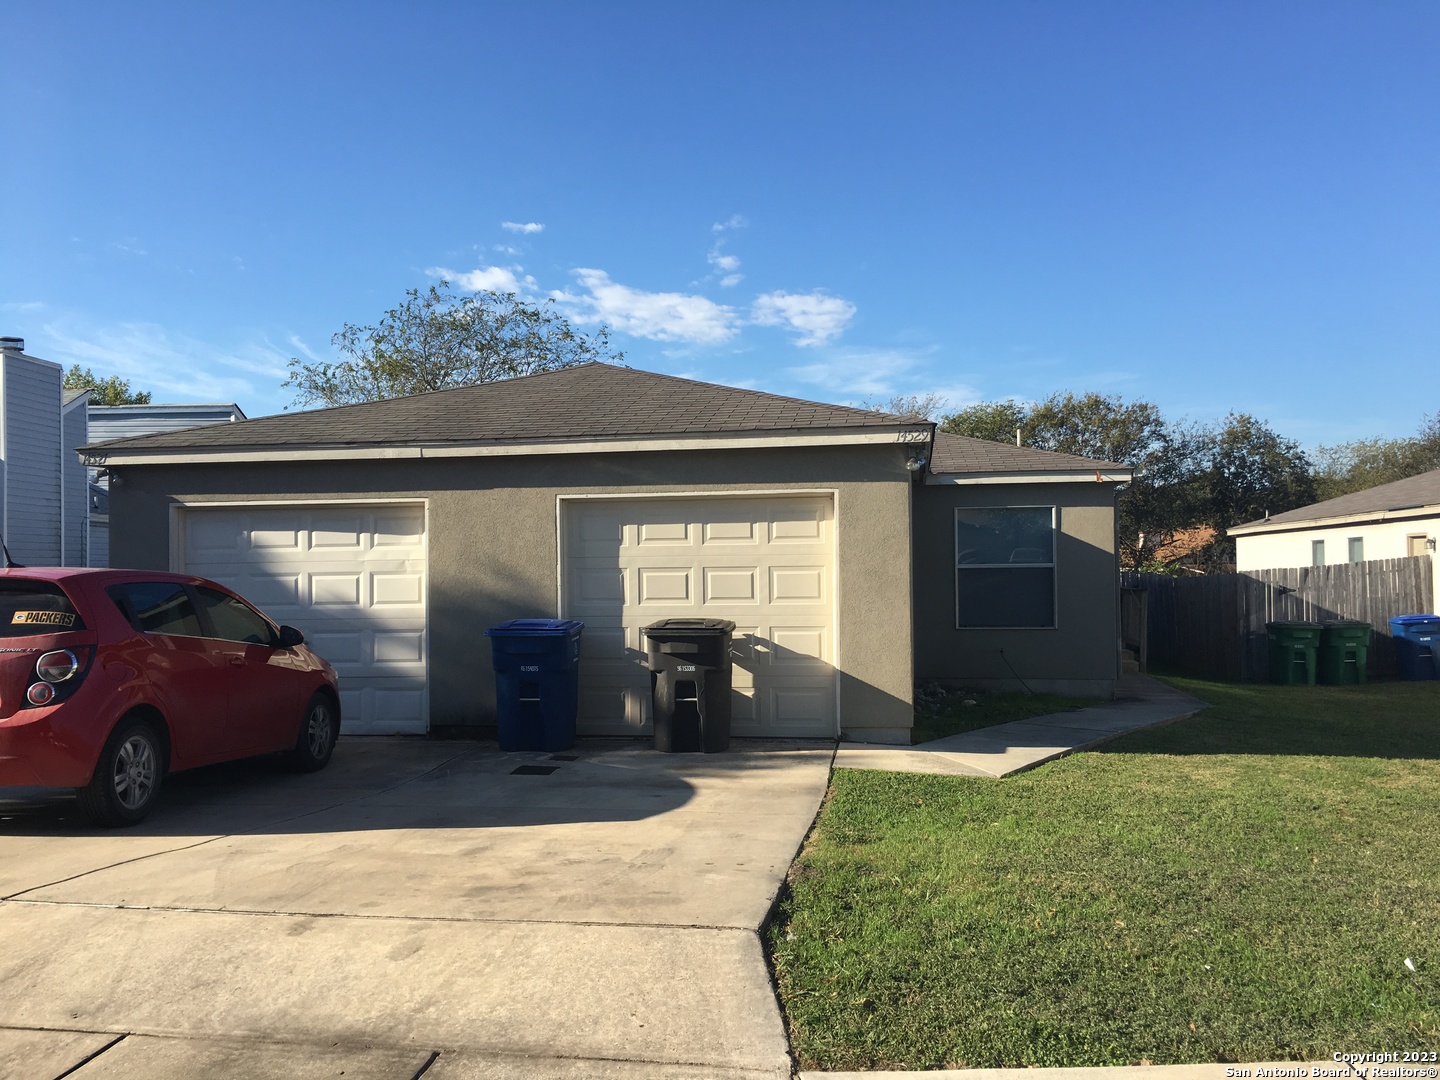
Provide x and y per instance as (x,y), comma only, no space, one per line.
(1413,620)
(666,627)
(536,628)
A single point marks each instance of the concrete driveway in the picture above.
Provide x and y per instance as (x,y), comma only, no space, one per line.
(417,907)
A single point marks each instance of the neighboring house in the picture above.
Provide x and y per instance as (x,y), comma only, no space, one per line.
(1391,521)
(856,551)
(43,493)
(109,422)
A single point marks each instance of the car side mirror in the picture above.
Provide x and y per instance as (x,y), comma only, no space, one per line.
(290,637)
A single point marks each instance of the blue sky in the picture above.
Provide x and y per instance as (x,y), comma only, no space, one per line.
(1212,206)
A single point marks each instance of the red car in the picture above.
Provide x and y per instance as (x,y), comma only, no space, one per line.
(109,679)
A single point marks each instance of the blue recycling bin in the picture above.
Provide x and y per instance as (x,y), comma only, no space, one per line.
(1417,642)
(537,682)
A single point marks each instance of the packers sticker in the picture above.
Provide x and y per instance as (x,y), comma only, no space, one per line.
(43,618)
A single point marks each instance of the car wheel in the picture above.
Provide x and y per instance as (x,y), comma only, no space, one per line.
(318,732)
(127,776)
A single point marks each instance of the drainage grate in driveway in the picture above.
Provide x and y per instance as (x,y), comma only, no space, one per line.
(533,770)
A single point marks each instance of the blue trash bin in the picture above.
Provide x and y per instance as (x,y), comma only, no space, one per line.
(537,682)
(1417,640)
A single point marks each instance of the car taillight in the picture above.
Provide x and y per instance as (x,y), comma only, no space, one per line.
(58,674)
(57,666)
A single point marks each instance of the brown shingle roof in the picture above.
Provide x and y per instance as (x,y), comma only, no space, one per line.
(962,454)
(1407,494)
(588,401)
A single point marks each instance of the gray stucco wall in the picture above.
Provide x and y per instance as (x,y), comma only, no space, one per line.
(1081,654)
(493,546)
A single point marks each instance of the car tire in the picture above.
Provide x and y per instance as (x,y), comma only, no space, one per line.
(319,729)
(127,776)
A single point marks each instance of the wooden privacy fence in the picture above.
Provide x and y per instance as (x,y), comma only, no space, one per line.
(1213,626)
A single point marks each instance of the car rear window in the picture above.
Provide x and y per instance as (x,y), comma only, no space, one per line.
(157,607)
(28,608)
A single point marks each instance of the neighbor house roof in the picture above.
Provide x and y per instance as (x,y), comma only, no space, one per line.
(71,396)
(1410,497)
(963,458)
(589,403)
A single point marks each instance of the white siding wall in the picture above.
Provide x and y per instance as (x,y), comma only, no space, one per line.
(77,485)
(1386,540)
(32,459)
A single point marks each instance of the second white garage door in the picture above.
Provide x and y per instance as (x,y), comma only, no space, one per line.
(353,578)
(768,563)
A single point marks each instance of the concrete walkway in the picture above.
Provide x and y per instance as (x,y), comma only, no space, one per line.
(1005,749)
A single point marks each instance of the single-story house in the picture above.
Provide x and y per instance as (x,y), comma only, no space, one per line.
(1389,521)
(857,552)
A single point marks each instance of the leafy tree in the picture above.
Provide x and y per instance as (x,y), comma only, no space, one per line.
(1253,471)
(994,421)
(111,390)
(1366,463)
(912,407)
(436,340)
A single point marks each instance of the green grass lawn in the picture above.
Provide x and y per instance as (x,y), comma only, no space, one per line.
(1246,885)
(949,715)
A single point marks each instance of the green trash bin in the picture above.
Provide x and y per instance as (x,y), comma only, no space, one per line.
(1292,652)
(1344,646)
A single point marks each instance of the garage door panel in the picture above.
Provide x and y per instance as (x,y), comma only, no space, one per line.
(732,585)
(663,533)
(747,559)
(730,534)
(797,584)
(664,585)
(330,590)
(397,588)
(351,578)
(798,646)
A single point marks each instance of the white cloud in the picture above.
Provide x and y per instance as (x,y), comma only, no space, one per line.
(818,317)
(659,316)
(173,367)
(735,221)
(501,279)
(507,249)
(723,262)
(725,265)
(859,373)
(525,228)
(731,279)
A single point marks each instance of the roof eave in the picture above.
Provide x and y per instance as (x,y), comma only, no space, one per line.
(1048,476)
(110,454)
(1369,517)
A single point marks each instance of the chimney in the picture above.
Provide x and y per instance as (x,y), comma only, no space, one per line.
(12,344)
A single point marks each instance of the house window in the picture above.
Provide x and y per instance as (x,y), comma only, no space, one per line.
(1357,549)
(1415,544)
(1005,567)
(1317,552)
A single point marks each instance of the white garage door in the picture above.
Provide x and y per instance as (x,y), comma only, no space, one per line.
(351,577)
(767,563)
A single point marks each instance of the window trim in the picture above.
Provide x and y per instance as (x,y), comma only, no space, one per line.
(1317,552)
(1053,565)
(1351,543)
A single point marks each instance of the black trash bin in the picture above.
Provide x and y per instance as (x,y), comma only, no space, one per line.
(537,685)
(690,683)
